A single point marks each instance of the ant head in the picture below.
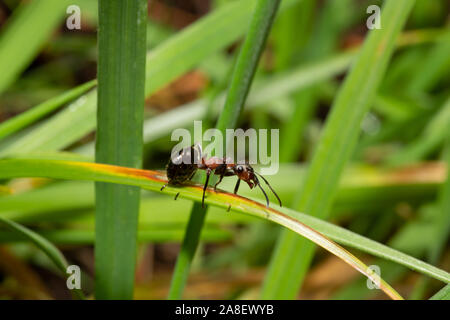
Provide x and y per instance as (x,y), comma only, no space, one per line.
(245,172)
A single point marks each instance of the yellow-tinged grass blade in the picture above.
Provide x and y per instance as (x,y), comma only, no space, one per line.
(4,190)
(153,180)
(334,149)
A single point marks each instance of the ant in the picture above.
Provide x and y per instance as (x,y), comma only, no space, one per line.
(180,171)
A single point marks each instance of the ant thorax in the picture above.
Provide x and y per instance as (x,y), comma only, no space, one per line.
(214,162)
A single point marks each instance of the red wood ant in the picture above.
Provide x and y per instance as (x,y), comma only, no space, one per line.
(180,171)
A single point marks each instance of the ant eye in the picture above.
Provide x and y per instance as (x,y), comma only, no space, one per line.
(239,169)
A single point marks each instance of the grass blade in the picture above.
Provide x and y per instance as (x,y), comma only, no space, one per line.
(373,189)
(121,78)
(154,180)
(78,119)
(86,236)
(171,59)
(32,115)
(61,130)
(241,80)
(292,255)
(433,135)
(22,40)
(247,62)
(47,247)
(189,245)
(442,224)
(433,68)
(443,294)
(328,28)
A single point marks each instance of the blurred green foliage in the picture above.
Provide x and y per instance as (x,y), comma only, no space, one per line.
(309,50)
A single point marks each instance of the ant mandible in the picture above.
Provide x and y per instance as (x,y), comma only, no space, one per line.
(191,158)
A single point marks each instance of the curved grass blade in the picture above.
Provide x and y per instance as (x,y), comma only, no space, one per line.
(432,136)
(154,180)
(78,119)
(47,247)
(443,294)
(61,130)
(433,67)
(30,116)
(177,55)
(360,189)
(292,256)
(442,224)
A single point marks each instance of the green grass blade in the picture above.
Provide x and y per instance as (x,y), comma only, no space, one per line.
(50,250)
(292,255)
(241,81)
(30,116)
(4,190)
(443,294)
(154,180)
(171,59)
(86,236)
(433,67)
(61,130)
(189,245)
(186,49)
(361,189)
(291,32)
(22,40)
(433,135)
(121,78)
(442,224)
(247,62)
(356,241)
(78,119)
(47,247)
(329,27)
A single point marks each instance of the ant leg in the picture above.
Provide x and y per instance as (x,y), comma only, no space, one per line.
(162,188)
(236,188)
(208,173)
(176,196)
(192,175)
(229,208)
(220,180)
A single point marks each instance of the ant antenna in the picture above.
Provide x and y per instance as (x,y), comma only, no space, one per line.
(265,194)
(267,182)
